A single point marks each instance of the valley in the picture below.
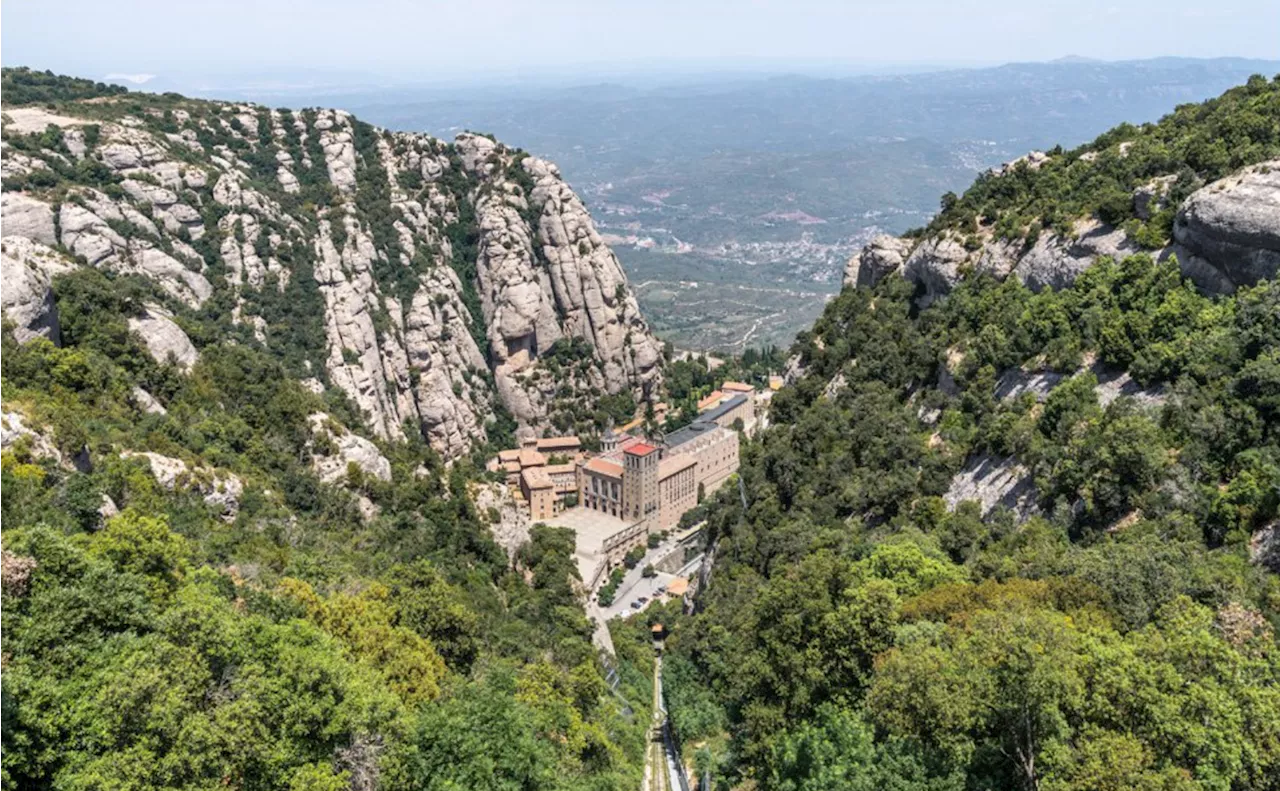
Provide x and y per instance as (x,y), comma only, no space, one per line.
(352,457)
(774,182)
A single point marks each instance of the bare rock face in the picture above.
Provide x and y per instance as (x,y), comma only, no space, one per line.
(348,448)
(993,482)
(28,268)
(27,217)
(164,339)
(147,402)
(935,264)
(1264,547)
(14,430)
(440,349)
(938,263)
(1232,226)
(544,274)
(1054,262)
(883,255)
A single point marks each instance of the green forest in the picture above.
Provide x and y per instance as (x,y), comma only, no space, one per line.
(296,646)
(1111,632)
(856,630)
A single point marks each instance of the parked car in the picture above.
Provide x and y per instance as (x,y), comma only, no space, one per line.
(643,599)
(635,605)
(662,589)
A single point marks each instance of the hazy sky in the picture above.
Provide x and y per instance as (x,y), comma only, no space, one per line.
(447,40)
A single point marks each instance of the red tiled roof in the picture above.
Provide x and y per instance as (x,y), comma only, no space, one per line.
(605,467)
(710,400)
(641,449)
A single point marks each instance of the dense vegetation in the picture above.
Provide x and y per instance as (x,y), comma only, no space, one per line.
(1115,628)
(22,85)
(296,645)
(858,633)
(1195,144)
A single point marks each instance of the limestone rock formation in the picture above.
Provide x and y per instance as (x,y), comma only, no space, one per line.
(27,217)
(28,267)
(1055,262)
(440,348)
(346,448)
(439,275)
(993,482)
(881,256)
(164,339)
(15,431)
(219,489)
(550,278)
(147,402)
(935,265)
(1229,231)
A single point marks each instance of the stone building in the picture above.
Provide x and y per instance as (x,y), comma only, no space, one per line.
(657,484)
(540,493)
(544,486)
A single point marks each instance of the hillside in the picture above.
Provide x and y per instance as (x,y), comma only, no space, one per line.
(1014,530)
(248,358)
(441,288)
(733,201)
(1176,188)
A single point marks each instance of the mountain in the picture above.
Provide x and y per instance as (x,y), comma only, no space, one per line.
(733,203)
(1196,186)
(1016,521)
(437,286)
(232,557)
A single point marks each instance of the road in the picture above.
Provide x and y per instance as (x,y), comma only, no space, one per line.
(634,584)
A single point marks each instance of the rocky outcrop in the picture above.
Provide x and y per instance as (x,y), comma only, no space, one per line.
(937,264)
(338,448)
(993,482)
(28,269)
(440,350)
(147,402)
(1228,232)
(163,338)
(1226,235)
(1055,262)
(1032,160)
(219,489)
(27,217)
(883,255)
(1264,547)
(934,265)
(550,278)
(414,345)
(15,434)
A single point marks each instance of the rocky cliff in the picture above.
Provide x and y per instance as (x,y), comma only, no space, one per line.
(426,281)
(1226,234)
(1201,184)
